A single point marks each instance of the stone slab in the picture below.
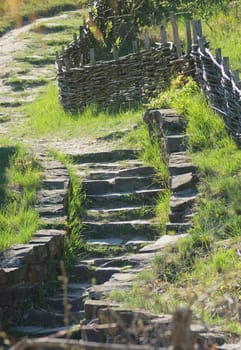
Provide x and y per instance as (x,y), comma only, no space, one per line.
(182,182)
(164,241)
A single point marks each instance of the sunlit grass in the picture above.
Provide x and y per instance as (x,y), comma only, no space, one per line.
(19,181)
(47,117)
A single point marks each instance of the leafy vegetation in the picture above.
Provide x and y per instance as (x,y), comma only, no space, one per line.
(19,181)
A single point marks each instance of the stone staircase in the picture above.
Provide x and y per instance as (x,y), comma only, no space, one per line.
(120,194)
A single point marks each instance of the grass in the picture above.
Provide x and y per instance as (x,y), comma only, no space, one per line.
(14,14)
(202,271)
(19,181)
(47,118)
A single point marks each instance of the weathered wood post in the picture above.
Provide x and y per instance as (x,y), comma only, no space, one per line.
(188,37)
(218,55)
(134,46)
(226,65)
(92,56)
(115,52)
(147,41)
(176,37)
(236,77)
(163,34)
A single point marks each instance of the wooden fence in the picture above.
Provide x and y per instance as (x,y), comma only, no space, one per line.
(84,79)
(220,85)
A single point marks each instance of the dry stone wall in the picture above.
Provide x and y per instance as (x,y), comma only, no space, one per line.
(24,268)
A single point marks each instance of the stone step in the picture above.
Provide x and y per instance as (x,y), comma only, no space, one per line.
(105,156)
(114,166)
(46,197)
(120,214)
(108,174)
(119,200)
(180,163)
(118,261)
(82,272)
(74,300)
(125,229)
(183,181)
(178,228)
(36,331)
(183,200)
(52,319)
(132,244)
(118,184)
(176,143)
(184,216)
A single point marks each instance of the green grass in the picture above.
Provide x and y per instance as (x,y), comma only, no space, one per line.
(47,118)
(13,14)
(19,181)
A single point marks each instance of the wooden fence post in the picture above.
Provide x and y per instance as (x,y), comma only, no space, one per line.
(218,54)
(92,56)
(147,41)
(134,46)
(189,37)
(236,77)
(226,65)
(81,34)
(115,52)
(177,41)
(163,34)
(201,44)
(194,32)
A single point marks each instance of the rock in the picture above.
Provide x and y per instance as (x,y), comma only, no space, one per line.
(92,307)
(164,241)
(183,200)
(179,163)
(182,182)
(178,227)
(176,143)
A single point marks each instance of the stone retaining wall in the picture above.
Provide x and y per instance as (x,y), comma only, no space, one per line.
(24,268)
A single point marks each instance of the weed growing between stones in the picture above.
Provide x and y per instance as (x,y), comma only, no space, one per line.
(19,181)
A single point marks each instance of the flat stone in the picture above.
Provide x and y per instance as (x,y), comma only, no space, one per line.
(105,156)
(92,307)
(178,228)
(103,274)
(176,143)
(46,197)
(180,163)
(51,210)
(55,184)
(183,200)
(119,200)
(37,331)
(123,229)
(105,241)
(164,241)
(49,232)
(181,182)
(57,222)
(137,242)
